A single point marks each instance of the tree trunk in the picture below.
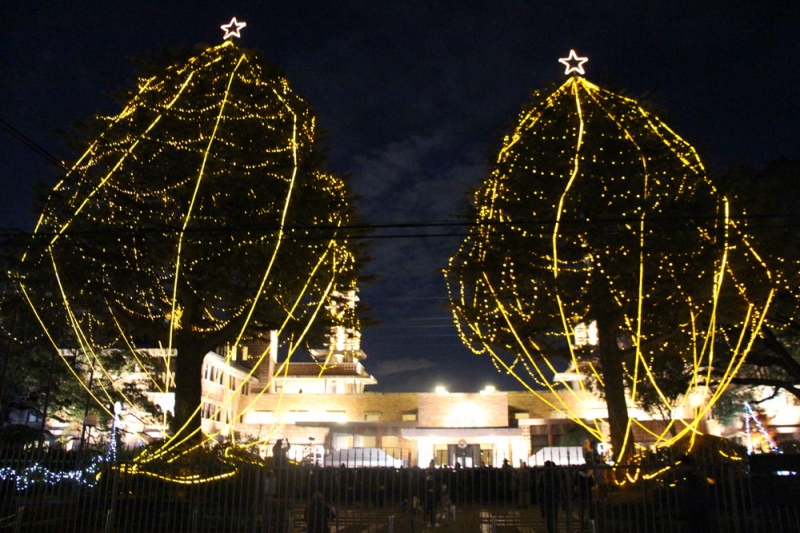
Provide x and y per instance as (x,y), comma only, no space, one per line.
(188,387)
(614,385)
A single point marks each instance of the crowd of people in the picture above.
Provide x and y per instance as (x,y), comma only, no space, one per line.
(436,491)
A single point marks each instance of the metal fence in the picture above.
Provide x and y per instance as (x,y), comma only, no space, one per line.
(60,492)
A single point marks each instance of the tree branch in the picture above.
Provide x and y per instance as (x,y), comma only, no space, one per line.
(777,383)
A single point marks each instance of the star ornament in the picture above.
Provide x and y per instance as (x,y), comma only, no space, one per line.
(232,28)
(568,61)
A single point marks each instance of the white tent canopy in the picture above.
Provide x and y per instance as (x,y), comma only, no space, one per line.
(560,455)
(356,457)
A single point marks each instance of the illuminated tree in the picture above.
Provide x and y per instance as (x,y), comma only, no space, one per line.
(199,217)
(597,217)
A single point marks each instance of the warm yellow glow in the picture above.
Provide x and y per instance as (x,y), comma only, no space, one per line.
(224,117)
(577,220)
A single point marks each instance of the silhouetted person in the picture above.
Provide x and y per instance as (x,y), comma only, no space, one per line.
(524,486)
(279,453)
(509,481)
(584,483)
(445,502)
(340,483)
(280,470)
(432,492)
(589,455)
(601,476)
(550,495)
(694,498)
(318,515)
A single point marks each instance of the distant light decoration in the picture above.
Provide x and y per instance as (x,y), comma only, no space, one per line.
(37,474)
(111,453)
(748,434)
(232,29)
(568,62)
(750,414)
(599,241)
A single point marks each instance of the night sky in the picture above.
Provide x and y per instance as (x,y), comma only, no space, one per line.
(416,97)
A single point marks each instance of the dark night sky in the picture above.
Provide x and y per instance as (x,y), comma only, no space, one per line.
(416,97)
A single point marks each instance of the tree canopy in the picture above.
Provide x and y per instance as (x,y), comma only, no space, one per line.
(200,215)
(597,217)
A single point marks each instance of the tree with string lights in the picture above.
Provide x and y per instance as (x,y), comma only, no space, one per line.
(199,216)
(596,217)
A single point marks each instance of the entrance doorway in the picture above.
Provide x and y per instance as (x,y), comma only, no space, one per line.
(468,455)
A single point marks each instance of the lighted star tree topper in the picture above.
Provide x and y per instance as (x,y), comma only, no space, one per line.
(232,28)
(597,218)
(573,63)
(199,217)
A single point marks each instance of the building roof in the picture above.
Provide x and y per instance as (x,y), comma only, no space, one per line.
(332,370)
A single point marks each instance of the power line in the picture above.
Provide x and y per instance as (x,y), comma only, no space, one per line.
(30,143)
(371,231)
(368,230)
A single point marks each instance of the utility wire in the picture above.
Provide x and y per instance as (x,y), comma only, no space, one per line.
(365,231)
(383,231)
(30,143)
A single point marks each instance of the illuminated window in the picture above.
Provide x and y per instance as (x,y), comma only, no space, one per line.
(586,335)
(367,441)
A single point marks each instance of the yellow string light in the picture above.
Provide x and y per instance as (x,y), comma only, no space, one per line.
(220,102)
(509,290)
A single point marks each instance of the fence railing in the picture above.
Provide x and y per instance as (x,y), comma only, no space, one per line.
(60,492)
